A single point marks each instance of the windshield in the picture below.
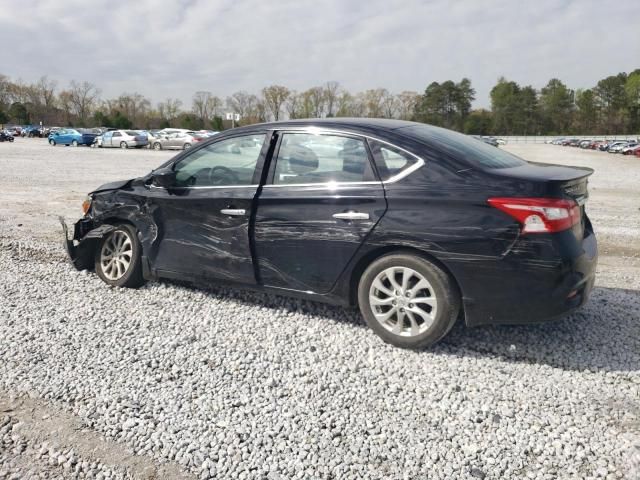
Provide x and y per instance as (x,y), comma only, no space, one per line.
(472,150)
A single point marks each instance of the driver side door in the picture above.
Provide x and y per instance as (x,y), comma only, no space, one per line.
(203,220)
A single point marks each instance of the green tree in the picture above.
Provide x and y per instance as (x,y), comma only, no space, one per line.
(556,107)
(18,113)
(586,115)
(612,101)
(479,122)
(632,90)
(504,105)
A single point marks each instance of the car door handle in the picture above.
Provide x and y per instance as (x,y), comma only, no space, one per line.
(233,211)
(351,216)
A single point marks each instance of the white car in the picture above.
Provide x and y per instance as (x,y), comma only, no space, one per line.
(173,139)
(123,139)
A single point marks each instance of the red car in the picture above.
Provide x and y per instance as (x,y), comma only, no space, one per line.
(636,152)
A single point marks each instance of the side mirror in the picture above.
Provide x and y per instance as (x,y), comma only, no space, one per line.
(164,178)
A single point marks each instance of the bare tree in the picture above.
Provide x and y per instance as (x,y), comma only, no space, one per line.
(274,98)
(317,98)
(373,102)
(407,103)
(331,92)
(169,109)
(389,105)
(46,90)
(214,104)
(200,105)
(293,105)
(83,99)
(343,104)
(66,105)
(244,104)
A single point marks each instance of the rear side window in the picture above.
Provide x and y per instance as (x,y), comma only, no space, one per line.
(317,158)
(463,147)
(390,161)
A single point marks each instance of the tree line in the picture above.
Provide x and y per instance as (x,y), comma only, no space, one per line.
(611,106)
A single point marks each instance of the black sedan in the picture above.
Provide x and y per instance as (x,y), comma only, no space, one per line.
(416,225)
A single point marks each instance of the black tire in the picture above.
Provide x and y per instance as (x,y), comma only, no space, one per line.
(157,146)
(132,277)
(52,143)
(186,146)
(124,145)
(443,289)
(74,143)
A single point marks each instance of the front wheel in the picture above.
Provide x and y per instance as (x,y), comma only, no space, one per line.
(124,145)
(117,260)
(52,143)
(408,301)
(157,146)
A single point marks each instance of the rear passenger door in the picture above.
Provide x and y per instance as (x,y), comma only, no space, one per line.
(320,201)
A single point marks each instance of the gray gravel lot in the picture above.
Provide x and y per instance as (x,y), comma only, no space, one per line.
(172,381)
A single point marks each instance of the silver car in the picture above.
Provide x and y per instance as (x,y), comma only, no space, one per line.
(123,139)
(174,140)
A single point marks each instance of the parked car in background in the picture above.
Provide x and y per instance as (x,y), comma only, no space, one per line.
(5,136)
(630,149)
(584,143)
(348,211)
(123,139)
(617,147)
(180,140)
(71,136)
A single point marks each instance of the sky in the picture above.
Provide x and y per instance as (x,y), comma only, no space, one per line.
(177,47)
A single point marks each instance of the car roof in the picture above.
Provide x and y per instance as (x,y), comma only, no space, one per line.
(337,122)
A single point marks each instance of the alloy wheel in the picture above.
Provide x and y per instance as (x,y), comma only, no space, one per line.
(116,255)
(403,301)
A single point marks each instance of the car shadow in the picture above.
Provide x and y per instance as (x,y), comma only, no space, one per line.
(604,335)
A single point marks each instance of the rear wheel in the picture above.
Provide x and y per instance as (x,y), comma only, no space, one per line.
(118,258)
(186,146)
(408,301)
(124,145)
(74,143)
(157,146)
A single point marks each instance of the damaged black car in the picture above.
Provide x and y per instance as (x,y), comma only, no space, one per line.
(416,225)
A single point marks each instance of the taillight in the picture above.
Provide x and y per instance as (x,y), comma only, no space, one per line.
(540,215)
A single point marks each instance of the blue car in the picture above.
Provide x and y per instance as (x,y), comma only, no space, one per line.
(70,136)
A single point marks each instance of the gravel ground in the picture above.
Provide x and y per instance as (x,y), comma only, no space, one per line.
(172,381)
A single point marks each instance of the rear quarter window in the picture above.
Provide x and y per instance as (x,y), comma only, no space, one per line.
(462,147)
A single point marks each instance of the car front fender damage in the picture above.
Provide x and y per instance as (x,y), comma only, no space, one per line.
(81,251)
(107,210)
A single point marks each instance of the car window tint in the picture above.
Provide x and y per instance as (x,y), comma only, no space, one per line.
(390,161)
(228,162)
(116,134)
(463,147)
(308,158)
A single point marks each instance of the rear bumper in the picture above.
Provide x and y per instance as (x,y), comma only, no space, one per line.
(541,281)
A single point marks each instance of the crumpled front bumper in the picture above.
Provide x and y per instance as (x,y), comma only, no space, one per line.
(81,248)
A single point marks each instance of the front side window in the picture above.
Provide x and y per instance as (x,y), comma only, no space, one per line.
(390,161)
(228,162)
(310,158)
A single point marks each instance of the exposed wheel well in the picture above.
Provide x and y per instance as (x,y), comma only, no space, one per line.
(372,256)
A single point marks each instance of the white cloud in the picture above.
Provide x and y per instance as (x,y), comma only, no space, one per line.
(175,48)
